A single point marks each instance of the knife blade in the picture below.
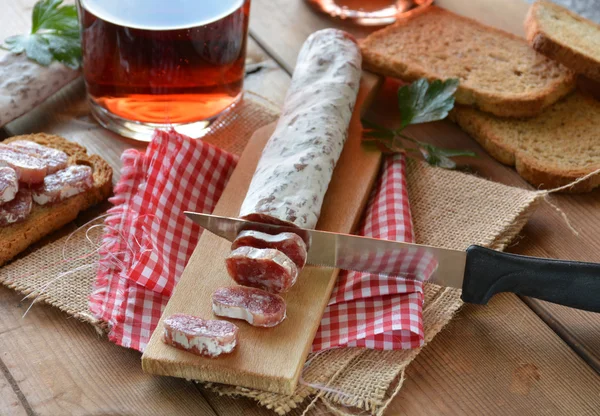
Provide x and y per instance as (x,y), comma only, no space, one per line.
(480,272)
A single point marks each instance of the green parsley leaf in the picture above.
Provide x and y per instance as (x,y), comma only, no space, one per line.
(421,102)
(418,102)
(54,35)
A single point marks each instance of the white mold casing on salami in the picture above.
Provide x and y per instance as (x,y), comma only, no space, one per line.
(266,269)
(24,84)
(204,337)
(64,184)
(255,306)
(289,244)
(297,163)
(54,159)
(9,184)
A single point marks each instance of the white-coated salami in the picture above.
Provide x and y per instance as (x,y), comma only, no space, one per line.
(289,244)
(54,159)
(255,306)
(16,210)
(9,184)
(297,163)
(30,169)
(64,184)
(205,337)
(266,269)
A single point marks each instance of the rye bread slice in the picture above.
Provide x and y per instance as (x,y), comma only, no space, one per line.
(499,73)
(553,149)
(565,37)
(43,220)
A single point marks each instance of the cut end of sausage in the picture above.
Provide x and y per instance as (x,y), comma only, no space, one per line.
(204,337)
(30,169)
(16,210)
(54,159)
(255,306)
(289,244)
(64,184)
(9,184)
(266,269)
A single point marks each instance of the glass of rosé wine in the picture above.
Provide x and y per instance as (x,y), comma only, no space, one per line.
(153,64)
(370,12)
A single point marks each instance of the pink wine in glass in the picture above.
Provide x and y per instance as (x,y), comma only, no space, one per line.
(159,63)
(370,12)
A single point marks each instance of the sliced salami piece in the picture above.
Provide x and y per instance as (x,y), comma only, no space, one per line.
(64,184)
(289,244)
(205,337)
(266,269)
(255,306)
(54,159)
(16,210)
(30,169)
(297,163)
(9,184)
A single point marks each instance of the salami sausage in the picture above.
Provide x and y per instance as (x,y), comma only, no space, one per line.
(255,306)
(297,163)
(289,244)
(266,269)
(54,159)
(16,210)
(205,337)
(30,169)
(9,184)
(64,184)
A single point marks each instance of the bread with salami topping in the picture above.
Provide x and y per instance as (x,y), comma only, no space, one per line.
(43,220)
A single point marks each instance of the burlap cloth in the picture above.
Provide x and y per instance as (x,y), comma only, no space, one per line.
(450,209)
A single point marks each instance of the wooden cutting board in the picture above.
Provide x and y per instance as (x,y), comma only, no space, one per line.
(269,359)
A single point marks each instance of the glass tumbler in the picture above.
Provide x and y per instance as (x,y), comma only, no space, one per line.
(153,64)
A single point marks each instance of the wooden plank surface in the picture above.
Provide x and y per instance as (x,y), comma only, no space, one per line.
(269,360)
(513,365)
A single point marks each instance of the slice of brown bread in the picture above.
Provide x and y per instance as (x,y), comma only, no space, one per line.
(565,37)
(553,149)
(498,72)
(43,220)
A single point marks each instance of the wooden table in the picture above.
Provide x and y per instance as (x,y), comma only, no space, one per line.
(515,356)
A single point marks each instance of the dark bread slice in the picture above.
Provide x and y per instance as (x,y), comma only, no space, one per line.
(43,220)
(498,72)
(551,150)
(565,37)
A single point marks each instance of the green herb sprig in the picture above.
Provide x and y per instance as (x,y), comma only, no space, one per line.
(419,102)
(54,35)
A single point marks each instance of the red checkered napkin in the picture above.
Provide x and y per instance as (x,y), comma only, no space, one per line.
(148,241)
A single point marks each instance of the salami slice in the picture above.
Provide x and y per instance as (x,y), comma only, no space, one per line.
(205,337)
(64,184)
(30,169)
(266,269)
(16,210)
(9,184)
(255,306)
(289,244)
(297,163)
(54,159)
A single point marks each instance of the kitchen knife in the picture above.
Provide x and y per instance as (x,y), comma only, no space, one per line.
(478,271)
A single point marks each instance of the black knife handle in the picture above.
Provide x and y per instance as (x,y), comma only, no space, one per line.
(569,283)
